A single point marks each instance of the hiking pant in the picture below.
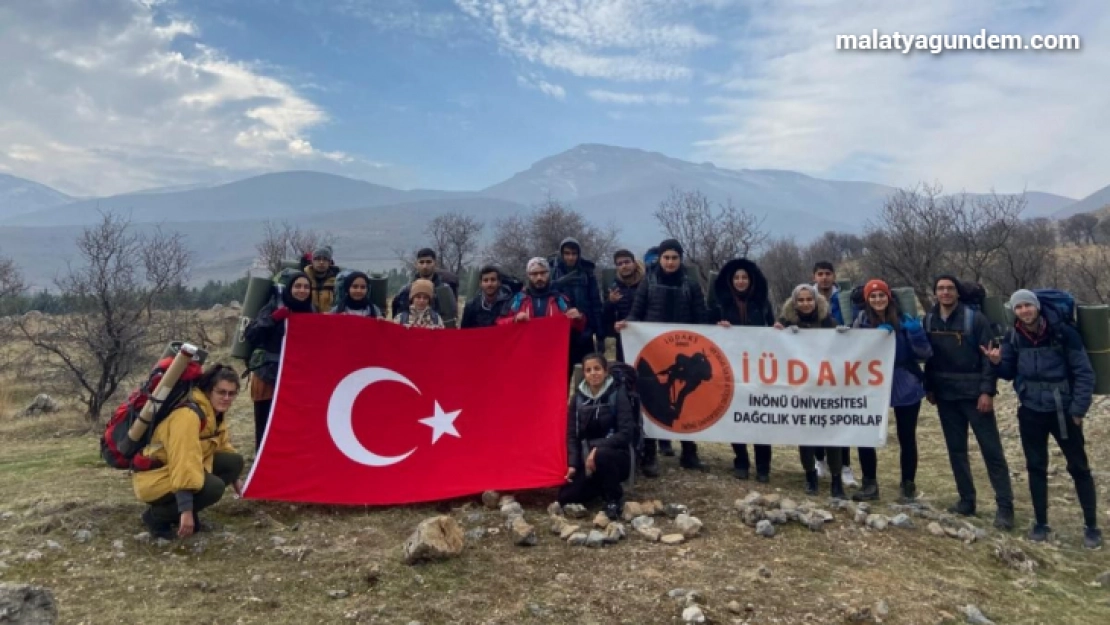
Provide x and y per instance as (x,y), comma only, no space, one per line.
(226,467)
(955,417)
(651,448)
(905,420)
(261,418)
(845,455)
(762,458)
(1035,428)
(613,467)
(809,454)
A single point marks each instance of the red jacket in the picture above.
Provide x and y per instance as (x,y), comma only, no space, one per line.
(523,302)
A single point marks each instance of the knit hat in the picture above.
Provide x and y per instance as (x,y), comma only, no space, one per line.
(875,285)
(671,245)
(422,286)
(803,287)
(945,276)
(537,263)
(1024,296)
(322,252)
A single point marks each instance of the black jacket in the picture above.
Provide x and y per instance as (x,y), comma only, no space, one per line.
(958,369)
(266,334)
(440,277)
(476,315)
(612,312)
(579,284)
(603,422)
(676,298)
(760,312)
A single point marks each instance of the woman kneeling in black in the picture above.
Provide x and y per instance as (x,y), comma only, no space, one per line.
(600,429)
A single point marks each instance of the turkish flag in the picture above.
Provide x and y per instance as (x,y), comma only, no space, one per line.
(367,412)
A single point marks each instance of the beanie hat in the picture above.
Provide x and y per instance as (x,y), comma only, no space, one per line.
(322,252)
(803,287)
(422,286)
(619,254)
(1024,296)
(538,263)
(876,285)
(671,245)
(945,276)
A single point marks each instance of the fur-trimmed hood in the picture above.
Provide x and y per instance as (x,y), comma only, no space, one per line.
(790,315)
(757,292)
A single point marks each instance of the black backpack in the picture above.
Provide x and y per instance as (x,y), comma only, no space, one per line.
(624,376)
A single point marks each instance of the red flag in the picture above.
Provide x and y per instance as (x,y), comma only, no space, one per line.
(367,412)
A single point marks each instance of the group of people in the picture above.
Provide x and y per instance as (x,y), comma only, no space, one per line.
(963,357)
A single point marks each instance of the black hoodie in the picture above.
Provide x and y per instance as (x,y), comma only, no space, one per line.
(752,308)
(478,314)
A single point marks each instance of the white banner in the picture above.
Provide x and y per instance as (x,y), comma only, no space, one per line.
(761,385)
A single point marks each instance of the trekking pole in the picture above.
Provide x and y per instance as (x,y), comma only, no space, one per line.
(169,378)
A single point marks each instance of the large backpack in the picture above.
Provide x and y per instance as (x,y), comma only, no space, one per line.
(116,447)
(624,376)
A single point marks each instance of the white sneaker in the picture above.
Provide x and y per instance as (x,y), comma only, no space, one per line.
(847,478)
(822,469)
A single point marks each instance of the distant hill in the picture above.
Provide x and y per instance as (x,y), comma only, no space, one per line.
(19,196)
(1091,203)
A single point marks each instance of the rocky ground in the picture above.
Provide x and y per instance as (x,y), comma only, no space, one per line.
(690,547)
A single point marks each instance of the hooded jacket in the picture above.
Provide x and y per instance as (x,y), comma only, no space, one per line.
(834,303)
(604,420)
(545,303)
(266,334)
(579,284)
(819,318)
(911,344)
(758,311)
(479,314)
(612,312)
(668,298)
(1053,362)
(440,277)
(344,305)
(958,370)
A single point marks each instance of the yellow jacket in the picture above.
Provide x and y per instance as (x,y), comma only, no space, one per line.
(323,288)
(186,446)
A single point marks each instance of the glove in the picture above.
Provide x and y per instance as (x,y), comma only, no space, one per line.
(280,314)
(793,329)
(912,325)
(842,329)
(887,327)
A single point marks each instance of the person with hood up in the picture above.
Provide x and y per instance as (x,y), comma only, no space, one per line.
(265,334)
(668,295)
(651,258)
(539,299)
(621,293)
(420,313)
(321,273)
(906,388)
(824,280)
(1055,384)
(600,431)
(493,296)
(807,309)
(197,460)
(427,269)
(354,297)
(743,300)
(576,277)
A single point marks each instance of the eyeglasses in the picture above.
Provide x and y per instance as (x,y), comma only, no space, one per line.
(536,274)
(227,394)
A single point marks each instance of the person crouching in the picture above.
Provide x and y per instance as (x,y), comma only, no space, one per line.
(600,430)
(198,461)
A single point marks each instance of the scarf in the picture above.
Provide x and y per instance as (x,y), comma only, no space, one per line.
(353,304)
(423,318)
(741,301)
(293,304)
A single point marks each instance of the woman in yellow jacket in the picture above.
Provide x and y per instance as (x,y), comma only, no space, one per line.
(198,461)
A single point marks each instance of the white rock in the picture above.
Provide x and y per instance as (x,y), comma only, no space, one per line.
(693,614)
(765,529)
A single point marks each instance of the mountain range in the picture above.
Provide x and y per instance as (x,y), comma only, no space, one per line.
(608,184)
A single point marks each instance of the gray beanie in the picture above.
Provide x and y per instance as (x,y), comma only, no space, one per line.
(1024,296)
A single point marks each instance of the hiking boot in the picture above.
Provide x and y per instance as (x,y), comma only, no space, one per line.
(1039,533)
(909,493)
(1092,538)
(692,462)
(962,508)
(666,448)
(763,478)
(649,466)
(741,474)
(157,529)
(822,469)
(848,477)
(869,492)
(1004,519)
(613,510)
(811,483)
(838,488)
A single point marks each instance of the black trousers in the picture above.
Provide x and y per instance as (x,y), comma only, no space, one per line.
(905,422)
(845,455)
(651,448)
(955,418)
(226,468)
(762,458)
(613,467)
(261,418)
(1035,428)
(809,455)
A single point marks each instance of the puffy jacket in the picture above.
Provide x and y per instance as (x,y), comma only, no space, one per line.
(526,301)
(760,313)
(657,301)
(186,446)
(911,344)
(822,319)
(958,369)
(612,312)
(477,314)
(440,277)
(604,420)
(323,287)
(1054,363)
(579,284)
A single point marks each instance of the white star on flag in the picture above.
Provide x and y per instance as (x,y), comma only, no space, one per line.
(442,423)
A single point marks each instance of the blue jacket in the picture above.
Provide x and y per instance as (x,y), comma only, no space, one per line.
(1055,361)
(911,345)
(834,305)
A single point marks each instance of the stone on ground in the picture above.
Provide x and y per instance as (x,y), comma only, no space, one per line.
(25,604)
(437,538)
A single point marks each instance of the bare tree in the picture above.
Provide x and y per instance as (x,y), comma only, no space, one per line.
(520,237)
(710,235)
(1079,229)
(981,227)
(455,239)
(842,249)
(11,280)
(1028,259)
(511,246)
(123,277)
(909,238)
(1087,277)
(285,240)
(784,266)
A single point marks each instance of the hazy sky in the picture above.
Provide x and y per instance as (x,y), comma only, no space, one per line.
(105,96)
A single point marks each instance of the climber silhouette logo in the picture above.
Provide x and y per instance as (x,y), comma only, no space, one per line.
(685,381)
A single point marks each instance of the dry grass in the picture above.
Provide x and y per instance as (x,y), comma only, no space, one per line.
(53,484)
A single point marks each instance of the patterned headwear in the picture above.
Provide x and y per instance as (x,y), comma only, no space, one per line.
(538,263)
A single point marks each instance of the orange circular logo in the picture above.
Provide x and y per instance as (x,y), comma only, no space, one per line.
(685,381)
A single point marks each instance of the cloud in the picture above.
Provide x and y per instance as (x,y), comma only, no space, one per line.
(624,40)
(406,16)
(547,88)
(971,120)
(113,95)
(613,97)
